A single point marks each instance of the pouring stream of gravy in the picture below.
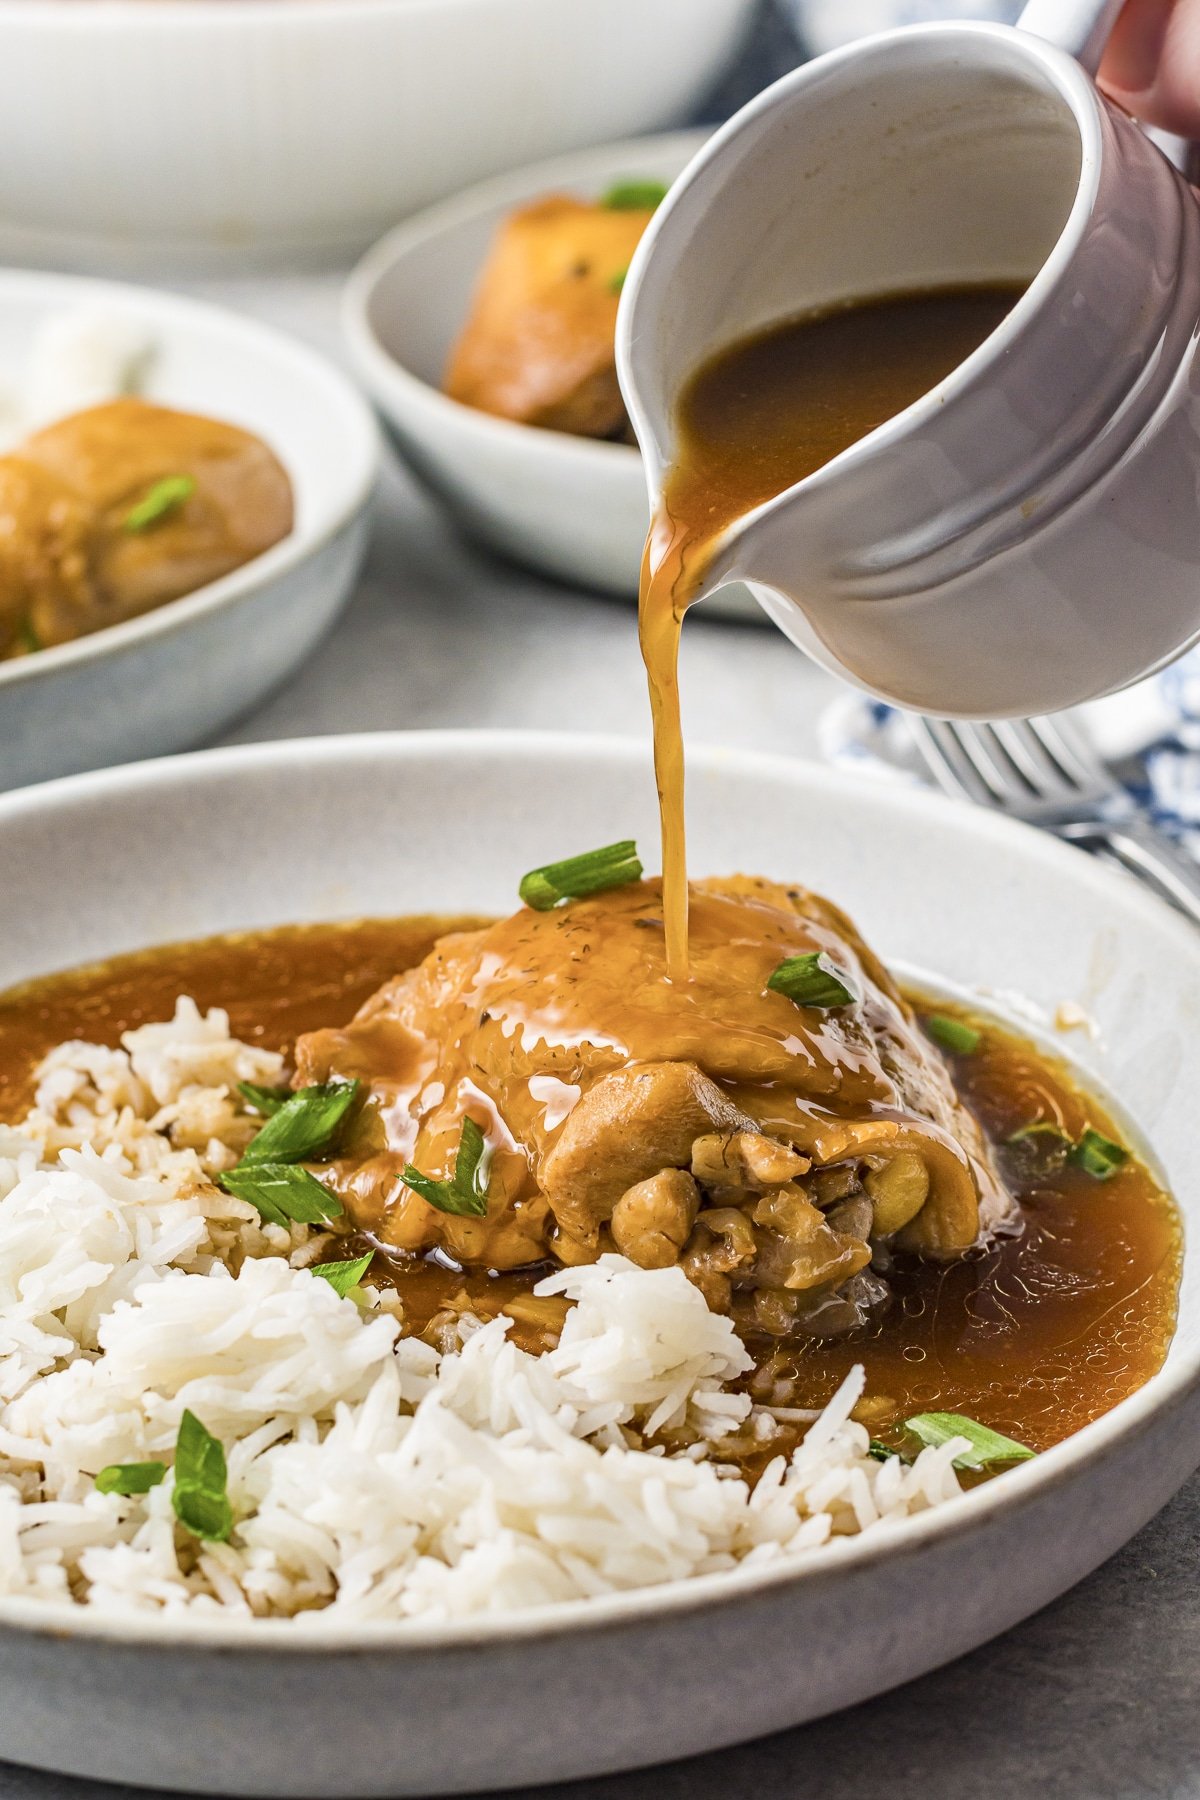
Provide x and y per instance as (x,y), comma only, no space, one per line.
(753,420)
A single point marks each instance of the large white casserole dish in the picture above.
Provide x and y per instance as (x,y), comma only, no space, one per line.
(177,675)
(445,821)
(205,131)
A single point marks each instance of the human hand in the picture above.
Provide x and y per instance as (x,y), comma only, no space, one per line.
(1152,64)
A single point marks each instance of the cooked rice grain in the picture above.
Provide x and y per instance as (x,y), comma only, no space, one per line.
(371,1476)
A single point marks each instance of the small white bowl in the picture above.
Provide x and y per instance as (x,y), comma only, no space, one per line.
(572,507)
(178,674)
(203,131)
(957,897)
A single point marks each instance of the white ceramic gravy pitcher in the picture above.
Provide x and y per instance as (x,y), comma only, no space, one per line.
(1027,535)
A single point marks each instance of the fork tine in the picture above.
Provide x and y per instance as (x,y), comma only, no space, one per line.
(1071,750)
(1047,776)
(1005,783)
(948,761)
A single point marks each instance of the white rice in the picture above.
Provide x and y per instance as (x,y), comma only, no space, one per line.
(77,358)
(371,1477)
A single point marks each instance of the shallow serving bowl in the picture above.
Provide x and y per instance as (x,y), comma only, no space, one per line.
(575,508)
(178,674)
(347,826)
(200,131)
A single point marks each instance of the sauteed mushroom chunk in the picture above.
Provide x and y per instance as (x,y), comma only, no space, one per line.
(652,1220)
(630,1125)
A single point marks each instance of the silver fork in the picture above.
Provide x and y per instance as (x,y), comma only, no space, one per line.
(1044,771)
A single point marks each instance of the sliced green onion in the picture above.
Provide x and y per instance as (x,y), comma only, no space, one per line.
(634,196)
(199,1496)
(163,498)
(953,1035)
(265,1100)
(617,282)
(1039,1128)
(27,638)
(130,1478)
(880,1451)
(282,1193)
(466,1193)
(591,873)
(304,1126)
(343,1276)
(1097,1155)
(986,1446)
(814,979)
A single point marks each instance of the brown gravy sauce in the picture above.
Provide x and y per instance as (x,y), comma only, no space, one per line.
(1035,1336)
(753,420)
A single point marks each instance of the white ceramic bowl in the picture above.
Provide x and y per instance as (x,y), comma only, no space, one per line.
(178,674)
(202,131)
(573,507)
(344,826)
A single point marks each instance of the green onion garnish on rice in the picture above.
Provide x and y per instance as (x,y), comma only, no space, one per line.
(343,1277)
(130,1478)
(304,1126)
(282,1192)
(264,1100)
(814,979)
(953,1035)
(163,498)
(466,1192)
(592,873)
(986,1446)
(634,196)
(199,1496)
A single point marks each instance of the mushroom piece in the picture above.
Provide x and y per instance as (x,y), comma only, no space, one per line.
(653,1220)
(630,1124)
(745,1162)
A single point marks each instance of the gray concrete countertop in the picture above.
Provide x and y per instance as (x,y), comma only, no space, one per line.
(1098,1697)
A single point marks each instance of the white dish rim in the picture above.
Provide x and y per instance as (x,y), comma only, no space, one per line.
(291,552)
(380,369)
(1019,1487)
(110,15)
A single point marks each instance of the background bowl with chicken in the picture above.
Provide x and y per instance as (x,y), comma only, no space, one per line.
(571,507)
(179,673)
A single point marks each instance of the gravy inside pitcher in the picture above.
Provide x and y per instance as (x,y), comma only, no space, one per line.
(752,421)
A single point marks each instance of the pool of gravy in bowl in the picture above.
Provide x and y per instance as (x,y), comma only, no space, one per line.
(753,420)
(1036,1335)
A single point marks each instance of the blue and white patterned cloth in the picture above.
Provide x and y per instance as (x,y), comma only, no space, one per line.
(1149,735)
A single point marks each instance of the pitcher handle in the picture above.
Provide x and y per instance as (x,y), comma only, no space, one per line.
(1082,28)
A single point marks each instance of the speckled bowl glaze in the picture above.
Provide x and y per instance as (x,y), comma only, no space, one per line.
(348,826)
(178,674)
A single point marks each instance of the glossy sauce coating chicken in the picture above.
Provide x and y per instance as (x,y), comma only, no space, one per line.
(772,1149)
(538,346)
(73,555)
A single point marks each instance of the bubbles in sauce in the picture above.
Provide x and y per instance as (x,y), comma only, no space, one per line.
(753,420)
